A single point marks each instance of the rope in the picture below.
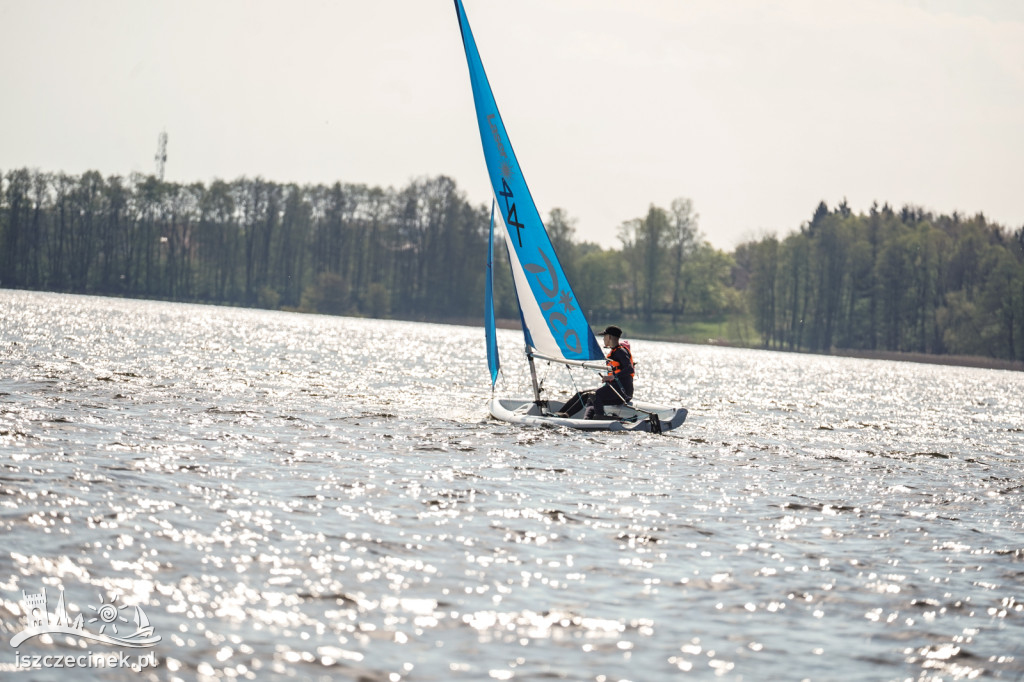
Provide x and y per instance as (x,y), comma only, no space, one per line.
(572,379)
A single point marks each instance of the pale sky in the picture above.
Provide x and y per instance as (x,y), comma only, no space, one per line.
(754,109)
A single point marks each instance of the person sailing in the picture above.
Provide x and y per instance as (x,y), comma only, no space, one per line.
(618,382)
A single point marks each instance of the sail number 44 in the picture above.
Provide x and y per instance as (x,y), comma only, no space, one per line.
(511,218)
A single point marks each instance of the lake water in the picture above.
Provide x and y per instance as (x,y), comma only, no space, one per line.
(326,498)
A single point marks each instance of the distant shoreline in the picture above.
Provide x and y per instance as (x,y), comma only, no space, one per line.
(975,361)
(925,358)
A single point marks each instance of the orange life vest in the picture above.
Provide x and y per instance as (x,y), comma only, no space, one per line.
(615,365)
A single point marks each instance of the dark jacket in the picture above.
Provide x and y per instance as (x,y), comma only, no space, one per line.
(620,364)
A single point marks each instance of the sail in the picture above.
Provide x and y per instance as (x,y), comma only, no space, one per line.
(143,629)
(553,322)
(141,620)
(493,362)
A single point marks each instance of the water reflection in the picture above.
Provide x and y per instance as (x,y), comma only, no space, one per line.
(302,496)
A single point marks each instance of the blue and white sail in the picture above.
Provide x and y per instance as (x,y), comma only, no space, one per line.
(553,323)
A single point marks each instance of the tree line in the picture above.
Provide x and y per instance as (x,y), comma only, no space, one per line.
(891,280)
(415,252)
(887,280)
(340,249)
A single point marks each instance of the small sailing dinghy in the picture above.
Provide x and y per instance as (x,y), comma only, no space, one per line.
(554,326)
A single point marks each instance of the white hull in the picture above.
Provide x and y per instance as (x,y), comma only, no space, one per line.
(626,418)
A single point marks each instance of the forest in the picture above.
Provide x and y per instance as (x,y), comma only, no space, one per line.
(889,280)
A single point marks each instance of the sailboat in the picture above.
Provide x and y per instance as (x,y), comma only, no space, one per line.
(554,326)
(143,628)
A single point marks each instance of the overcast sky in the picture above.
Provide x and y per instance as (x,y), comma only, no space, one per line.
(754,109)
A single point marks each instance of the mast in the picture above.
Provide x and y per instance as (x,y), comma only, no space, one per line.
(533,375)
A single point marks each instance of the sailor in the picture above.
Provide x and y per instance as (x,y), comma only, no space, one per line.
(618,382)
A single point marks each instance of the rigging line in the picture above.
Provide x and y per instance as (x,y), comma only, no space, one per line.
(572,379)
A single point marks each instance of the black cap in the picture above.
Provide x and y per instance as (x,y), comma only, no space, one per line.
(613,330)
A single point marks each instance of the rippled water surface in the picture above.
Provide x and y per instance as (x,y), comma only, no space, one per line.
(314,497)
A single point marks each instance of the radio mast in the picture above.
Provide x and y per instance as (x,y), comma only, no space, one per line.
(161,155)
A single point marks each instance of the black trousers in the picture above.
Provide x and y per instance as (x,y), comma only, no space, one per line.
(606,395)
(577,402)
